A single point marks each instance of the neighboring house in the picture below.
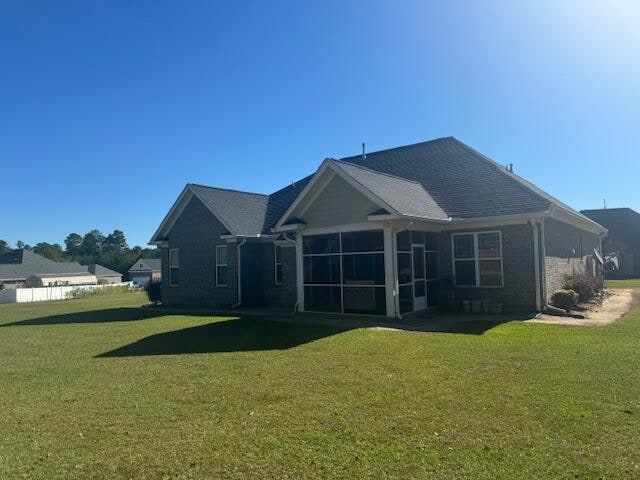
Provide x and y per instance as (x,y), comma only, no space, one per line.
(145,270)
(623,238)
(104,274)
(60,279)
(389,233)
(18,265)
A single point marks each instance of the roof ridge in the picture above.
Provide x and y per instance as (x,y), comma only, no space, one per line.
(532,187)
(433,140)
(523,182)
(608,208)
(228,190)
(370,153)
(377,171)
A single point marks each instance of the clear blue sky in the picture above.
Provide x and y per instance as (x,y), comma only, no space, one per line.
(107,108)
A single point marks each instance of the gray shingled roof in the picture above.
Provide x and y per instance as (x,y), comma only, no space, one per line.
(406,197)
(143,264)
(100,271)
(457,182)
(622,223)
(463,182)
(21,264)
(242,212)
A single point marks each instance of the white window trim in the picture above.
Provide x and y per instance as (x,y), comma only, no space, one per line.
(171,283)
(218,284)
(276,263)
(476,258)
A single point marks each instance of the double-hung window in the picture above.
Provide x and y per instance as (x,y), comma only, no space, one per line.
(222,266)
(277,264)
(477,259)
(174,267)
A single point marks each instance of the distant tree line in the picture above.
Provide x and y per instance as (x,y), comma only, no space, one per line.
(110,251)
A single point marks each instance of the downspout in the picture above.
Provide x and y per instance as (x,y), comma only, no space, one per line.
(239,250)
(536,258)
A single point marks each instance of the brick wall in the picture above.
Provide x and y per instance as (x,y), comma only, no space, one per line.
(567,248)
(279,295)
(196,233)
(518,292)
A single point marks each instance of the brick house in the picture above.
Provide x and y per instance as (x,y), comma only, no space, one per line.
(145,270)
(623,238)
(389,233)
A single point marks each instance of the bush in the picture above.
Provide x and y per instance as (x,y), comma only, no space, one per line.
(2,287)
(153,291)
(565,299)
(99,292)
(103,281)
(584,284)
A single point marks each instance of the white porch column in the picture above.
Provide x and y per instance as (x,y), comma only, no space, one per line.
(389,273)
(299,273)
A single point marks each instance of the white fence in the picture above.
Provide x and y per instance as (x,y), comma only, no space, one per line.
(44,294)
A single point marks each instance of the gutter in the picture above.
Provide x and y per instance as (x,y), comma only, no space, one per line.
(239,250)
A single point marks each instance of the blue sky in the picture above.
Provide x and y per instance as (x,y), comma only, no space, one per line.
(107,108)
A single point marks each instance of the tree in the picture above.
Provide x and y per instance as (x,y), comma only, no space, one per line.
(51,251)
(20,244)
(4,247)
(116,241)
(92,242)
(72,244)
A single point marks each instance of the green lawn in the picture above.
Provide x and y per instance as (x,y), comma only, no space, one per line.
(629,283)
(98,388)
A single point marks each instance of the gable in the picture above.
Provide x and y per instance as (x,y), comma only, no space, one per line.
(241,213)
(337,204)
(193,219)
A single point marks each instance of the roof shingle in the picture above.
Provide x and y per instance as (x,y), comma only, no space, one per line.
(20,264)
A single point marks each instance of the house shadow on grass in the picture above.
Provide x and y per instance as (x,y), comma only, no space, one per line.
(244,334)
(90,316)
(438,323)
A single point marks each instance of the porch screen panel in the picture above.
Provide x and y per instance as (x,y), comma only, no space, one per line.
(416,278)
(405,271)
(431,263)
(344,272)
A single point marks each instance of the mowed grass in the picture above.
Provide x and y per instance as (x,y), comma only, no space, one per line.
(627,283)
(99,388)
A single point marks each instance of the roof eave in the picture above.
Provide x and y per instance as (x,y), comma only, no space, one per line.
(571,217)
(391,216)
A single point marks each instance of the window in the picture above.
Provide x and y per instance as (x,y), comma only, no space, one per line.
(344,272)
(277,262)
(222,266)
(174,267)
(477,259)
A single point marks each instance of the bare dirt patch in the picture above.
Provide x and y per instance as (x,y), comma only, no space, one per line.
(616,304)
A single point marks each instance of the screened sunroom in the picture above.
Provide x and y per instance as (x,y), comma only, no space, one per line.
(352,272)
